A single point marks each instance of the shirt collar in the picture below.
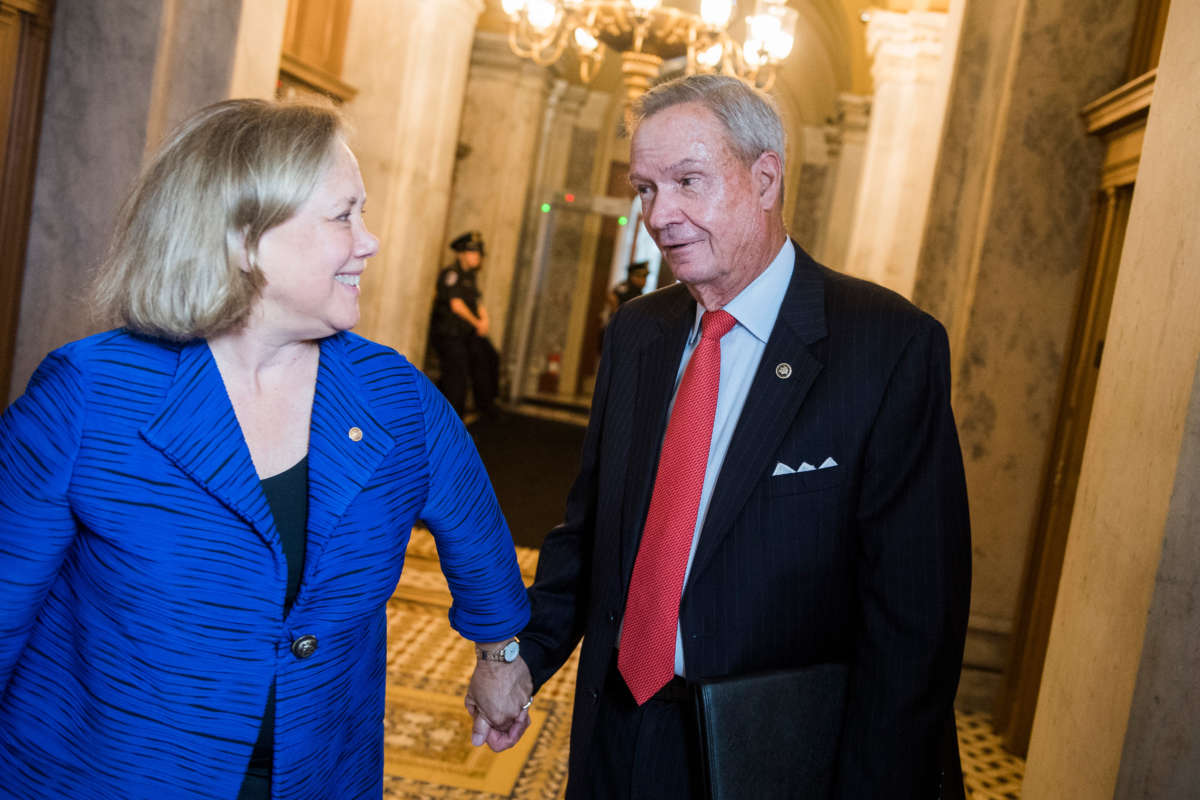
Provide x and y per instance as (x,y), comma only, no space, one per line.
(757,306)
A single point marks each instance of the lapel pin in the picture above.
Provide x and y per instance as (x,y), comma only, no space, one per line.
(783,370)
(355,434)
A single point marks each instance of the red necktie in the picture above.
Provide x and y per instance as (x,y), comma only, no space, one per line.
(647,655)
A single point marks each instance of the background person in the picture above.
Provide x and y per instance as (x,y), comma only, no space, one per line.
(633,285)
(204,512)
(771,480)
(459,330)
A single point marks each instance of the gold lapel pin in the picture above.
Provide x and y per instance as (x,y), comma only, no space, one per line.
(355,434)
(783,370)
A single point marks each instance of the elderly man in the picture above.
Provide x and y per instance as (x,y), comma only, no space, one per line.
(771,480)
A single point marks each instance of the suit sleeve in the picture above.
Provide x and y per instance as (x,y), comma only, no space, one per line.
(39,440)
(913,583)
(560,592)
(473,541)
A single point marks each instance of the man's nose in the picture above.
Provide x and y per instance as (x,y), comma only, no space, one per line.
(663,211)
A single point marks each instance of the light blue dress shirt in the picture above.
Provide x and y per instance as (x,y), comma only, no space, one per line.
(755,308)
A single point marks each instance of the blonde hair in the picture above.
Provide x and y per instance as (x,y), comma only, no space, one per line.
(183,263)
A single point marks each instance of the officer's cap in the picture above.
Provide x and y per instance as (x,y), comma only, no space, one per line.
(471,240)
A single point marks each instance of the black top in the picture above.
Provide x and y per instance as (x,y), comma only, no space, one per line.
(287,495)
(454,282)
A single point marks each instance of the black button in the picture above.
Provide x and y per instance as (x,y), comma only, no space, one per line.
(595,695)
(305,646)
(612,616)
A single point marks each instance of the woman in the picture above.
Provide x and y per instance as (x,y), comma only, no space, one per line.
(204,512)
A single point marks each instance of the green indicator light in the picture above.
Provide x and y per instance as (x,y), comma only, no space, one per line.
(545,208)
(622,220)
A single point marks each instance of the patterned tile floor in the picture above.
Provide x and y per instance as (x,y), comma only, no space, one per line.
(427,730)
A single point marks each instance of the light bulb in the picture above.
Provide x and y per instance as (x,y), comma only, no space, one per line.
(542,14)
(716,13)
(710,56)
(644,7)
(513,7)
(585,41)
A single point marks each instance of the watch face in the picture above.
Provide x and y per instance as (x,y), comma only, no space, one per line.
(510,651)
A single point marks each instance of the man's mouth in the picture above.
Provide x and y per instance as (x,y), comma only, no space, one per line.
(348,279)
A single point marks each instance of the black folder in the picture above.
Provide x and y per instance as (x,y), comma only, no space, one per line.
(772,735)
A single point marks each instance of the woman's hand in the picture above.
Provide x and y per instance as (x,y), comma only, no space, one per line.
(499,697)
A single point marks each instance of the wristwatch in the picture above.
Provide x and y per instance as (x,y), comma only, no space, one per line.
(507,653)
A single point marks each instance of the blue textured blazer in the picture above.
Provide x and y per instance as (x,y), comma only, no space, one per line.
(142,577)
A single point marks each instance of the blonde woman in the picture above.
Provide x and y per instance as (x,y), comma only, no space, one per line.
(204,511)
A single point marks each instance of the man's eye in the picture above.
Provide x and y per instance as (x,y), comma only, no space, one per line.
(688,181)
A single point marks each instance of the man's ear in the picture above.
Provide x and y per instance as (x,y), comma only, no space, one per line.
(767,174)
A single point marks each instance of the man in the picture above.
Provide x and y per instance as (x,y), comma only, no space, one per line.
(633,285)
(459,329)
(826,521)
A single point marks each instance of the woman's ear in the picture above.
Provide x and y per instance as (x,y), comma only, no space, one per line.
(235,243)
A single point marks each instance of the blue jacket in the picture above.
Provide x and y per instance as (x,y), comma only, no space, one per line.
(142,577)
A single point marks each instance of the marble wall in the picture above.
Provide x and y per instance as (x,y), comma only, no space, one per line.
(1001,262)
(1136,503)
(500,128)
(95,131)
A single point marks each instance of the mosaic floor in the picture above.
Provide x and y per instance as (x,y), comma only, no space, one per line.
(428,754)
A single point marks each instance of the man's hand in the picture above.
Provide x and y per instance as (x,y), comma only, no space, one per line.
(481,327)
(498,698)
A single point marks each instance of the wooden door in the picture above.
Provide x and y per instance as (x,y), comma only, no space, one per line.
(24,47)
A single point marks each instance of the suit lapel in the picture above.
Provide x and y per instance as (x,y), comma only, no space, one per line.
(771,404)
(658,362)
(346,443)
(198,431)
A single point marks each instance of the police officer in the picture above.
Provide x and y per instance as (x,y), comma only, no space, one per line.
(633,285)
(459,328)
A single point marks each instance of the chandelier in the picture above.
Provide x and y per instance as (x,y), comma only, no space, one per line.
(646,33)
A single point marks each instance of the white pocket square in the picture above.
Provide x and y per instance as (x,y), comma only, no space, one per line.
(805,467)
(782,469)
(827,463)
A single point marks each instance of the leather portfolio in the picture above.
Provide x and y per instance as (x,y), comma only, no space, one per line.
(772,735)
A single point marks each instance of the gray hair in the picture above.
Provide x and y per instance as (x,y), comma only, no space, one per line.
(183,263)
(750,117)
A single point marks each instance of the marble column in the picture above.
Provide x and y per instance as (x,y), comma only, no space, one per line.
(172,58)
(902,146)
(1119,691)
(500,125)
(409,61)
(259,43)
(846,142)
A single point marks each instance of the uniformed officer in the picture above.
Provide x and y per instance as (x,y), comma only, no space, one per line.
(459,328)
(631,287)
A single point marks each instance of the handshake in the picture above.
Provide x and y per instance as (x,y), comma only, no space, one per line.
(499,695)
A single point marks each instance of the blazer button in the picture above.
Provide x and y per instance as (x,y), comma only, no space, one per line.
(612,616)
(595,693)
(304,646)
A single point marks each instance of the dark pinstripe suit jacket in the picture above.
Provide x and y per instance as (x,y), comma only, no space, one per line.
(866,563)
